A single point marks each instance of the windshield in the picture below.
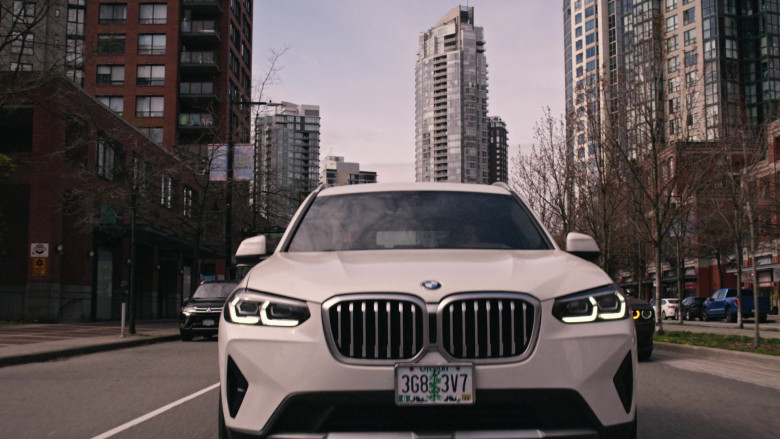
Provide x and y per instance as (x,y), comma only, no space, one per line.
(214,290)
(423,220)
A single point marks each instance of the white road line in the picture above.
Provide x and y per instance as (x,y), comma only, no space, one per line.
(150,415)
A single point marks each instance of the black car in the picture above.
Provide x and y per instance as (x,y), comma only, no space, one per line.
(644,322)
(692,307)
(200,313)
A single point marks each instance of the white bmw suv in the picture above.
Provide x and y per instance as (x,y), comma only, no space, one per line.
(425,310)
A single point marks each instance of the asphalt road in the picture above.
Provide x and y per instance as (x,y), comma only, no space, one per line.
(168,390)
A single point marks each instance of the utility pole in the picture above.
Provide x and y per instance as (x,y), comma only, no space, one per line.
(229,177)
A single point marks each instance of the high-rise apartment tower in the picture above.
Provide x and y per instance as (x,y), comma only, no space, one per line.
(451,121)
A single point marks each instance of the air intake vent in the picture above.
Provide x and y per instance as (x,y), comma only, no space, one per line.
(376,327)
(493,327)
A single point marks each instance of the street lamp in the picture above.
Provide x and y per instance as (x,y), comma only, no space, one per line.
(231,147)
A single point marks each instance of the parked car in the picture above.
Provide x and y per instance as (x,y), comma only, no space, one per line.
(379,314)
(200,313)
(723,304)
(668,308)
(644,323)
(692,307)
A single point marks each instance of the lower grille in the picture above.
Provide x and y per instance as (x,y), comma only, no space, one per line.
(376,327)
(475,327)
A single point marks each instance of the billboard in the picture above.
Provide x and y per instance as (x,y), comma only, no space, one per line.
(243,162)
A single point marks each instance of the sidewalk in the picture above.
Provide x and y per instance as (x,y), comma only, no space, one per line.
(29,343)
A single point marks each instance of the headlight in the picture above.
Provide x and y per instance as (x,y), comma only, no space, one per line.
(604,303)
(646,314)
(188,309)
(249,307)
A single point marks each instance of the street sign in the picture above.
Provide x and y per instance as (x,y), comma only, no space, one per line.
(39,250)
(39,266)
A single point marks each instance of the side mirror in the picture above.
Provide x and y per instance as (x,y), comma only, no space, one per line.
(583,246)
(251,250)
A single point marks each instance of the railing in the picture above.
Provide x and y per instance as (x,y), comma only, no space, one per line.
(201,58)
(197,88)
(201,27)
(196,120)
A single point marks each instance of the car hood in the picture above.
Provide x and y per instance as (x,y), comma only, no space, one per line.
(316,277)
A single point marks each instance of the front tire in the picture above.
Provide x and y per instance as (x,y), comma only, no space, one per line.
(185,335)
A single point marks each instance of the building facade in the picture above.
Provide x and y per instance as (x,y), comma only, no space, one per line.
(337,172)
(706,69)
(498,161)
(451,101)
(287,145)
(92,211)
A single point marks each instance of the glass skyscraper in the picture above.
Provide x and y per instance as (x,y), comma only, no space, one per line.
(451,123)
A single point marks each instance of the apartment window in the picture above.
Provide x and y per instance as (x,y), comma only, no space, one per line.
(16,124)
(590,38)
(110,74)
(671,23)
(685,2)
(674,84)
(24,12)
(151,44)
(112,13)
(75,26)
(153,13)
(590,25)
(691,78)
(589,11)
(671,44)
(691,57)
(671,4)
(579,58)
(166,191)
(106,159)
(689,16)
(578,31)
(578,18)
(187,196)
(22,43)
(673,64)
(710,49)
(731,49)
(150,75)
(21,67)
(115,103)
(590,52)
(578,45)
(154,133)
(149,106)
(111,44)
(590,66)
(708,28)
(674,105)
(689,37)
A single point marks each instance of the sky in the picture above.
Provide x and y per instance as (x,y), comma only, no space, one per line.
(356,60)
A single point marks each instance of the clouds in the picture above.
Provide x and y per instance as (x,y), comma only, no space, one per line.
(355,59)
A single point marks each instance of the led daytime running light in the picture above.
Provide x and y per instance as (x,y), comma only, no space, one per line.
(588,318)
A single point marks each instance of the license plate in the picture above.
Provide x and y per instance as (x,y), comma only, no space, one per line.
(208,322)
(434,384)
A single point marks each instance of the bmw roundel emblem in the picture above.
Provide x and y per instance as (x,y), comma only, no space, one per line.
(431,285)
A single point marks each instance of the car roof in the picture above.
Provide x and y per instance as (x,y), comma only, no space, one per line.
(395,187)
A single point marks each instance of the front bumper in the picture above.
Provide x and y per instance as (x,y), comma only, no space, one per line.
(201,323)
(578,381)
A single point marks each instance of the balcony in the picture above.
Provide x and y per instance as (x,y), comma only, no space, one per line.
(203,6)
(196,121)
(200,32)
(202,61)
(202,92)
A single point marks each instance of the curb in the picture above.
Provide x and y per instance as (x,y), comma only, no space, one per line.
(55,354)
(771,362)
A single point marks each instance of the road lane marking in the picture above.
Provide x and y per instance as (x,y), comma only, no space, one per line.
(150,415)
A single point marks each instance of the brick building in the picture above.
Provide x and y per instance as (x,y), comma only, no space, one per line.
(91,200)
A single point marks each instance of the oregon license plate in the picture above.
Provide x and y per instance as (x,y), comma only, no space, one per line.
(434,384)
